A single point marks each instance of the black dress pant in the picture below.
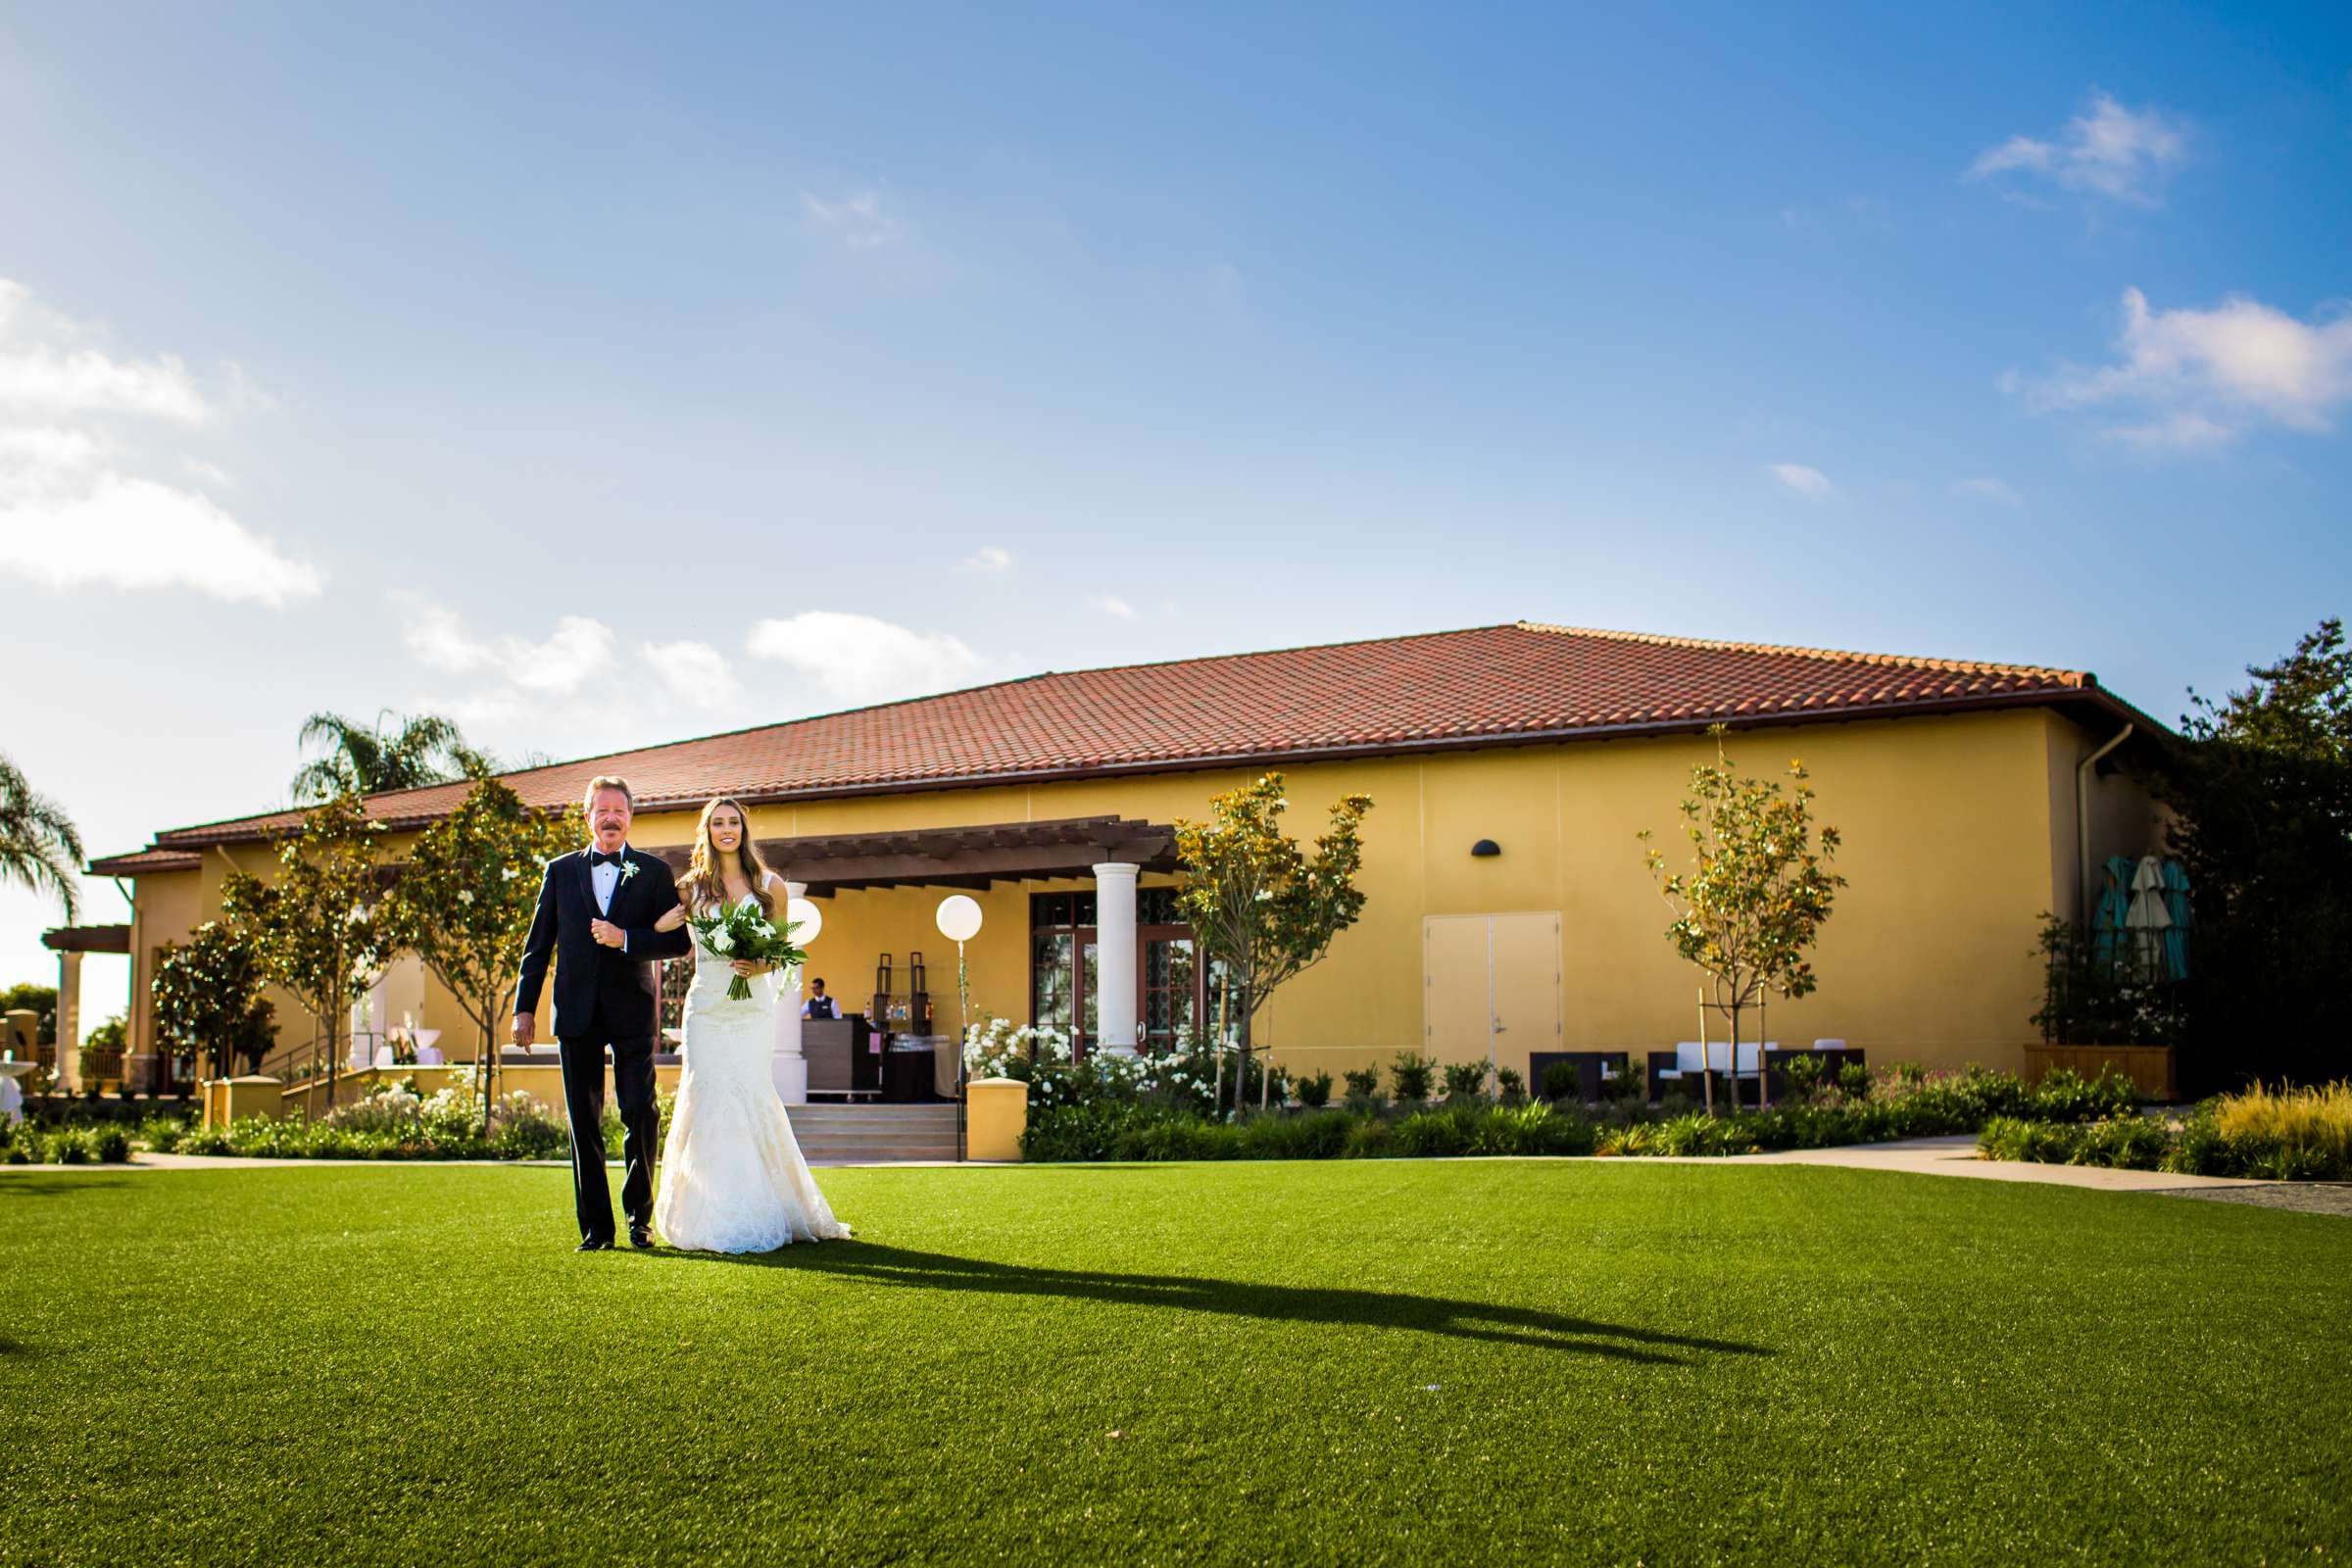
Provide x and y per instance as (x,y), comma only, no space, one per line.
(641,1127)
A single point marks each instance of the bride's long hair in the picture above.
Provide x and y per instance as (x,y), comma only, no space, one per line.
(705,882)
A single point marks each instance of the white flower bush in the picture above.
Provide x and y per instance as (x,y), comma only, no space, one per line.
(1042,1057)
(387,1108)
(1001,1049)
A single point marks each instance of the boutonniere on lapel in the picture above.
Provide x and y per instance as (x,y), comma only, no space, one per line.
(628,869)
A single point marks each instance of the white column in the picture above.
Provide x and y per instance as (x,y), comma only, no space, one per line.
(790,1067)
(69,1022)
(1115,957)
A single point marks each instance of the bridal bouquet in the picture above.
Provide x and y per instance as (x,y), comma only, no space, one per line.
(743,932)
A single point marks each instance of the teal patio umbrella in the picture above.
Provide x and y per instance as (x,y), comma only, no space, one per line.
(2114,906)
(2175,935)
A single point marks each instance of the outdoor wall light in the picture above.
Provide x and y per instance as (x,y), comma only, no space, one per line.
(1483,847)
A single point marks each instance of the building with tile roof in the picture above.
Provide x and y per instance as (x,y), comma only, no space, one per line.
(1960,787)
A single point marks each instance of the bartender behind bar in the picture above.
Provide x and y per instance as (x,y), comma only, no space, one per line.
(818,1005)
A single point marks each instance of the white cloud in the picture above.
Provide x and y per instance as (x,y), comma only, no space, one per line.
(1111,605)
(2203,378)
(209,472)
(1992,489)
(48,379)
(2184,433)
(75,509)
(695,674)
(2107,149)
(860,658)
(861,219)
(48,448)
(986,558)
(558,665)
(111,530)
(1798,479)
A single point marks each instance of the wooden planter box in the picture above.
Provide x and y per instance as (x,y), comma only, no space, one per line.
(2149,1067)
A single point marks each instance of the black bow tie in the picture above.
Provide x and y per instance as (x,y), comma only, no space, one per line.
(600,857)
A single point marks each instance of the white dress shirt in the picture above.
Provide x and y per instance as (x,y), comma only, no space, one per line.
(602,880)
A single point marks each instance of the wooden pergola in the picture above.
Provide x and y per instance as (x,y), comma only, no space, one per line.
(69,943)
(966,857)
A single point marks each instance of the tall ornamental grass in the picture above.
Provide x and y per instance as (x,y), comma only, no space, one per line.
(2271,1135)
(2315,1122)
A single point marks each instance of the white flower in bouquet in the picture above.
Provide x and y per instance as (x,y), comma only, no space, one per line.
(722,940)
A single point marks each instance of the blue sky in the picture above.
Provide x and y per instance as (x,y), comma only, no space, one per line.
(580,372)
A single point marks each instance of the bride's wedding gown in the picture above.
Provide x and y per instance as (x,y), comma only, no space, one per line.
(732,1176)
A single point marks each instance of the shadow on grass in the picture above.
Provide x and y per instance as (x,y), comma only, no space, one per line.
(1282,1303)
(15,1184)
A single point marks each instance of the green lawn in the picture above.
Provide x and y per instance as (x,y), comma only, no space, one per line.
(1345,1362)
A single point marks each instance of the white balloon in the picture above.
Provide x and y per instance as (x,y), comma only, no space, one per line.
(959,917)
(807,920)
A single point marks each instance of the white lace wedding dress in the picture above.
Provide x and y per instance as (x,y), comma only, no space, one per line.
(732,1176)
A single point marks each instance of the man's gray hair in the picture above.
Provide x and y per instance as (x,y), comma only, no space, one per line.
(601,783)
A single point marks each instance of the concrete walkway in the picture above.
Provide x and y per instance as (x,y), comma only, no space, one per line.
(144,1159)
(1918,1157)
(1957,1156)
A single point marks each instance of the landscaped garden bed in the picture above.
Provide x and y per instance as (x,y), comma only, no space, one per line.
(2283,1135)
(1107,1110)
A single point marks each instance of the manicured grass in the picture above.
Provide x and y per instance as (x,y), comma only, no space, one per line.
(1386,1361)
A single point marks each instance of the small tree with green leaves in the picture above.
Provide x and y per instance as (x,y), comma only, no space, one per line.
(209,1002)
(1757,892)
(1259,905)
(465,903)
(316,928)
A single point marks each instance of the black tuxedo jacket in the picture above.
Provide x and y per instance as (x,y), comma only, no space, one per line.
(601,992)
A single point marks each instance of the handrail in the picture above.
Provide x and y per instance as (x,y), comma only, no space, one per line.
(280,1065)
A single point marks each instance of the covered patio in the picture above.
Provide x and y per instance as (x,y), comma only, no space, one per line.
(1111,853)
(71,943)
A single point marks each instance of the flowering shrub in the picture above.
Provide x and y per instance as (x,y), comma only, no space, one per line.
(393,1121)
(1042,1058)
(1178,1083)
(1001,1049)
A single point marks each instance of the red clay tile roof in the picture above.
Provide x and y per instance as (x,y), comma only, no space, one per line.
(148,860)
(1486,686)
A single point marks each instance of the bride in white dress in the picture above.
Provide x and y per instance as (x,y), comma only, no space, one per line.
(732,1176)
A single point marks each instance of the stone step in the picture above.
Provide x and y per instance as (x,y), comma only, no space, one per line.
(875,1135)
(882,1155)
(867,1118)
(873,1121)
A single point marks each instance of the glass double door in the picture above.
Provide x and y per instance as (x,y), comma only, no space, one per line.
(1066,976)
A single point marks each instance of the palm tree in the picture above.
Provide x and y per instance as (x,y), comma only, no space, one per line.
(39,847)
(425,749)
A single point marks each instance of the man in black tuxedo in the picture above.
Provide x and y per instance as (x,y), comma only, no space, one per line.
(596,917)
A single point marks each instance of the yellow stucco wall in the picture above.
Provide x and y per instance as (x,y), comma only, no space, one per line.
(1958,833)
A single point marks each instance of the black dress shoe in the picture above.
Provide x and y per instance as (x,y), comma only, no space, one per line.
(641,1237)
(594,1247)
